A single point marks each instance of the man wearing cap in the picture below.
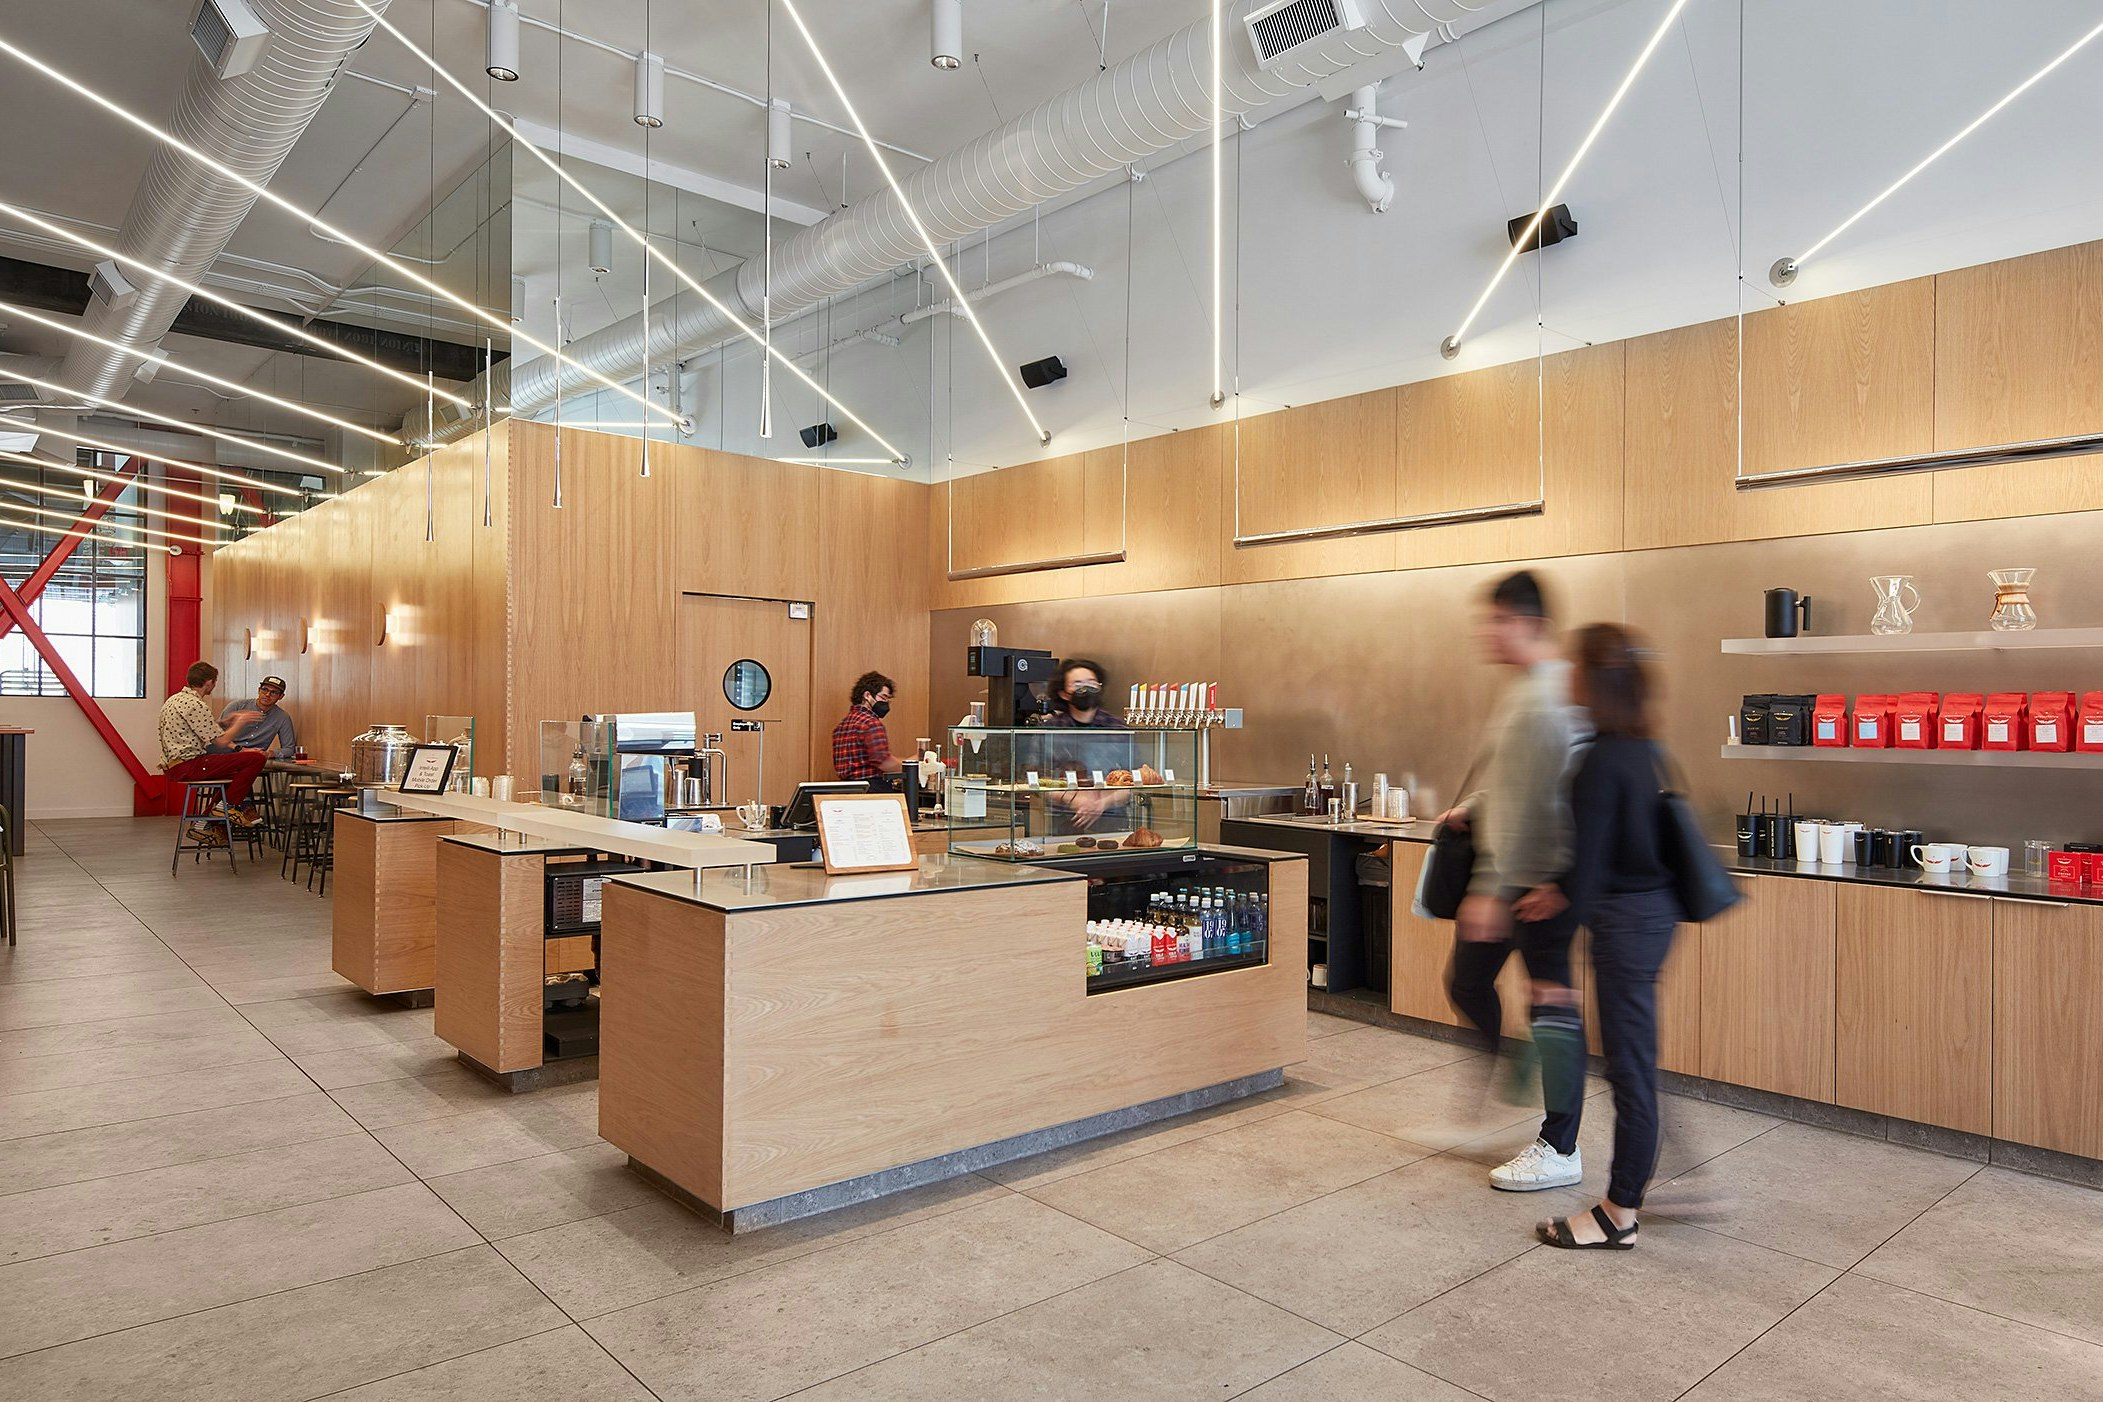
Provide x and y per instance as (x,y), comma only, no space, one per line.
(271,724)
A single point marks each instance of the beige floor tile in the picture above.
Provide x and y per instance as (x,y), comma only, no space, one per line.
(1444,1107)
(146,1097)
(73,1216)
(384,1061)
(1867,1190)
(529,1195)
(2026,1248)
(96,1000)
(528,1126)
(773,1330)
(1353,1371)
(103,1150)
(563,1365)
(1155,1331)
(1328,1025)
(1608,1325)
(89,1070)
(1189,1192)
(1364,1254)
(89,1038)
(446,1089)
(596,1265)
(301,1343)
(42,962)
(245,991)
(404,1025)
(1691,1132)
(1368,1056)
(1864,1339)
(1130,1144)
(57,1299)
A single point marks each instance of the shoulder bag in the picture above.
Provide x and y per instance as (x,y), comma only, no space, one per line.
(1704,888)
(1443,883)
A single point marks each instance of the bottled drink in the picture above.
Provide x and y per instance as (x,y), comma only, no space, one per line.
(1326,790)
(1311,797)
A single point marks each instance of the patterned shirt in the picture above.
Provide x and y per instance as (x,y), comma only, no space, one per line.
(861,747)
(187,728)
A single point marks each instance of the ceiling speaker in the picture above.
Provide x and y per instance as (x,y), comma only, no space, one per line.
(1556,226)
(818,435)
(1048,371)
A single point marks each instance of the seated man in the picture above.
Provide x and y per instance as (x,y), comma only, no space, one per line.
(272,726)
(195,747)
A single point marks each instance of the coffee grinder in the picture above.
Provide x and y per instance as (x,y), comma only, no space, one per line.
(1017,681)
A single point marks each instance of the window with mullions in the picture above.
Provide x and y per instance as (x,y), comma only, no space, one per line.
(94,608)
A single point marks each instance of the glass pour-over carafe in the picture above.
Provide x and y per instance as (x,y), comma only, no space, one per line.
(1894,614)
(2012,610)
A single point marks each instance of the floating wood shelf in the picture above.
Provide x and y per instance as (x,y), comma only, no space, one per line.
(1983,759)
(2062,638)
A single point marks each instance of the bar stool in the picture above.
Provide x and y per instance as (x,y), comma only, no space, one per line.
(270,798)
(7,874)
(322,859)
(299,810)
(200,798)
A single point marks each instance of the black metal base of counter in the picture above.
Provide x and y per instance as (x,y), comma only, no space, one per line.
(913,1175)
(565,1072)
(410,998)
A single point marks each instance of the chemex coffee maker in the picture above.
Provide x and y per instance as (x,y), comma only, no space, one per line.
(1018,679)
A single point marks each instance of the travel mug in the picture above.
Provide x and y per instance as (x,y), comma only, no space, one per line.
(1783,611)
(1807,836)
(1908,839)
(1865,847)
(1834,848)
(1745,835)
(1884,848)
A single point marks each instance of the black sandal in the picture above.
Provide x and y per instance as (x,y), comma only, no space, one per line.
(1557,1233)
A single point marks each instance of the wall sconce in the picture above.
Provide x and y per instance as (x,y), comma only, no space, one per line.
(386,620)
(248,642)
(306,635)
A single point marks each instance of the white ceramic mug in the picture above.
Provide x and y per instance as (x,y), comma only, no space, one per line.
(500,788)
(1836,844)
(1988,861)
(753,815)
(1937,858)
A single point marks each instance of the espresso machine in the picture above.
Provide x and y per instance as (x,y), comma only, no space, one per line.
(644,745)
(1017,682)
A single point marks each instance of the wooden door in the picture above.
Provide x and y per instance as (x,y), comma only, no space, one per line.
(1914,1006)
(2048,1039)
(1767,989)
(717,630)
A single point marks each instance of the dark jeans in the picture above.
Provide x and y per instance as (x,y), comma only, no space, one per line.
(1631,935)
(1471,984)
(238,769)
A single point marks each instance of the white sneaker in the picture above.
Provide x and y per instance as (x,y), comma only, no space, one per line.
(1538,1166)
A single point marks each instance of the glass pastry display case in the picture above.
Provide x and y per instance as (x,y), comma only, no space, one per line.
(459,732)
(1154,917)
(1034,792)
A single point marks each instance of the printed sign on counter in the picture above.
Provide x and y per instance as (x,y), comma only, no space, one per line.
(865,832)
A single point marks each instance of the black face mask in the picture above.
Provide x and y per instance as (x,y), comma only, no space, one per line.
(1084,697)
(879,709)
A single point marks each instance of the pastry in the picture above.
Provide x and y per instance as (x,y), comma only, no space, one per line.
(1118,778)
(1144,837)
(1150,775)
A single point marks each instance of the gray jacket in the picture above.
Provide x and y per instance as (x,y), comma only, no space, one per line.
(1521,814)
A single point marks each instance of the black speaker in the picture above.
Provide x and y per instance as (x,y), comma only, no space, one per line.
(1556,226)
(1048,371)
(817,435)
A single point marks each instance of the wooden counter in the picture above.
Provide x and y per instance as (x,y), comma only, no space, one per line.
(383,919)
(758,1045)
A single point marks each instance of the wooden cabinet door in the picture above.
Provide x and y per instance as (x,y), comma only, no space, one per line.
(1420,950)
(2048,1035)
(1679,1002)
(1913,1006)
(1767,989)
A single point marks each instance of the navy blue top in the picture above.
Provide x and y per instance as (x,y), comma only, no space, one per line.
(1615,815)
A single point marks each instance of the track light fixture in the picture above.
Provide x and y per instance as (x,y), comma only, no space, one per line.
(649,89)
(946,20)
(780,136)
(501,61)
(601,246)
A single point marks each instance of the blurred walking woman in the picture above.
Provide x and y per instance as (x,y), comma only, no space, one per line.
(1620,888)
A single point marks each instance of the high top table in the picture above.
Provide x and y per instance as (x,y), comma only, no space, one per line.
(14,749)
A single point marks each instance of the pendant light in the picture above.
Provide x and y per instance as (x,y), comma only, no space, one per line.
(501,61)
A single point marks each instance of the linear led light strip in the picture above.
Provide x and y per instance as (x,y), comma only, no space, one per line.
(1450,347)
(74,470)
(1785,269)
(91,533)
(287,326)
(75,516)
(501,323)
(142,482)
(1219,386)
(1000,365)
(194,373)
(72,436)
(63,393)
(839,462)
(504,124)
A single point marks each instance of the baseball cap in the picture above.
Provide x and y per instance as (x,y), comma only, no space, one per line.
(276,684)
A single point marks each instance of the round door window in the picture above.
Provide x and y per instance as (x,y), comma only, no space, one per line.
(747,685)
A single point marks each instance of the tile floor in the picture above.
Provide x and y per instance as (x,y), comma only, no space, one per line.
(224,1174)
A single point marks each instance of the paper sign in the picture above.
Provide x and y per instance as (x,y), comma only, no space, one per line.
(1073,780)
(1997,731)
(1168,776)
(1032,777)
(865,832)
(1099,780)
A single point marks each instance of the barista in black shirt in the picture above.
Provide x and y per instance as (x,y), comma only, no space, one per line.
(1077,704)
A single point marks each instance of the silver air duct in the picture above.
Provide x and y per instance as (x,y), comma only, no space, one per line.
(1151,102)
(183,214)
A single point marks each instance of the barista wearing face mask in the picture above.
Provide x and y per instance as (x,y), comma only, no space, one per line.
(1077,704)
(861,747)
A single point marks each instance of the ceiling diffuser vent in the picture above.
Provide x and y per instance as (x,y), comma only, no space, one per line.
(229,35)
(1278,30)
(15,392)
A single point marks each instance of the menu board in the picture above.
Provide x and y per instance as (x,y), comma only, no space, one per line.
(865,832)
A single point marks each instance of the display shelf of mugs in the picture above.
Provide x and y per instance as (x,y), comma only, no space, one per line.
(1982,759)
(2040,638)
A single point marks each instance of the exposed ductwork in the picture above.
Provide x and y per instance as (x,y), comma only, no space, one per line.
(1150,103)
(183,214)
